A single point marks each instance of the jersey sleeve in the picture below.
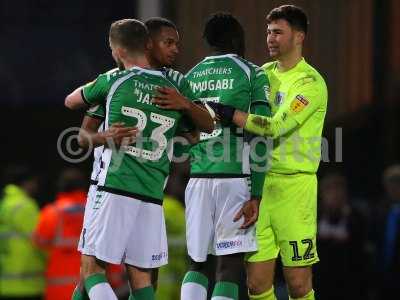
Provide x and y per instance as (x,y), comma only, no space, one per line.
(258,105)
(97,111)
(307,95)
(96,92)
(186,124)
(260,88)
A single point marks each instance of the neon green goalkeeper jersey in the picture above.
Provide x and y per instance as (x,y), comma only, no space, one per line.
(232,80)
(138,170)
(298,102)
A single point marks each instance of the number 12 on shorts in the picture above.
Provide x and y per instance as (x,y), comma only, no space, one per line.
(307,254)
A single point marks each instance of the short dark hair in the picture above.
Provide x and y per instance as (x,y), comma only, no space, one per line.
(294,15)
(225,33)
(155,24)
(130,34)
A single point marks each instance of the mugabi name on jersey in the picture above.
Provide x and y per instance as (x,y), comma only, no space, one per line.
(232,80)
(140,169)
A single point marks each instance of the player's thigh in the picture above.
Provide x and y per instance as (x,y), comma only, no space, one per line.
(260,276)
(87,216)
(294,220)
(112,221)
(199,214)
(268,248)
(230,196)
(147,247)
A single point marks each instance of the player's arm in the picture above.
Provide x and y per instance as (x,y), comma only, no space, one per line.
(89,134)
(305,100)
(75,99)
(170,98)
(258,152)
(90,94)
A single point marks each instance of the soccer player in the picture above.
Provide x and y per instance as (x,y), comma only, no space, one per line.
(128,224)
(287,221)
(220,207)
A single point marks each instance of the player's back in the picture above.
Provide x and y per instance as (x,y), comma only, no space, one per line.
(141,168)
(227,79)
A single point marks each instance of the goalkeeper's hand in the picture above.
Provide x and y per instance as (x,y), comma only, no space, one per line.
(224,112)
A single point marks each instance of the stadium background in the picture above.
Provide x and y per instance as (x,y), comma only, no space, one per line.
(48,48)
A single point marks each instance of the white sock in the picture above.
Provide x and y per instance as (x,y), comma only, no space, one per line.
(193,291)
(102,291)
(194,286)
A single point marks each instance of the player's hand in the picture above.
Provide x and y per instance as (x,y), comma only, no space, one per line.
(170,98)
(249,211)
(224,112)
(120,134)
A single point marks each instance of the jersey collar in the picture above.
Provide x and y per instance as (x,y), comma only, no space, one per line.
(148,71)
(300,63)
(221,56)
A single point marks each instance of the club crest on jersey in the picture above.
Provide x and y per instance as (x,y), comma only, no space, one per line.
(298,104)
(279,98)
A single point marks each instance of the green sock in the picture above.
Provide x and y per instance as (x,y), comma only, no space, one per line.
(194,286)
(197,277)
(131,297)
(309,296)
(268,295)
(226,289)
(80,295)
(77,294)
(146,293)
(94,279)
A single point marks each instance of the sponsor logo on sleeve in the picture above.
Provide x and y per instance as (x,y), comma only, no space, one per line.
(298,104)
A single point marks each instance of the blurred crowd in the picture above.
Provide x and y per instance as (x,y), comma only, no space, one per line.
(358,239)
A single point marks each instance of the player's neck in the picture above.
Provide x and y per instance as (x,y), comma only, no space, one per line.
(137,61)
(289,61)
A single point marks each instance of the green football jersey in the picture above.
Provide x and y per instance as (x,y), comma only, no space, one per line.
(232,80)
(140,169)
(300,93)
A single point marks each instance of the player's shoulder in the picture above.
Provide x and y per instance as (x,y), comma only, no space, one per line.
(113,75)
(269,66)
(196,67)
(307,74)
(174,75)
(171,72)
(247,66)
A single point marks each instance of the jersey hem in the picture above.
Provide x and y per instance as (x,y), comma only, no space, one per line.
(94,116)
(130,194)
(218,175)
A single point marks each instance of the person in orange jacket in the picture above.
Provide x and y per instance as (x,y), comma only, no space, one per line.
(58,233)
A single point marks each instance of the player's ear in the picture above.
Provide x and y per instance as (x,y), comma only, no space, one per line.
(121,52)
(149,44)
(299,37)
